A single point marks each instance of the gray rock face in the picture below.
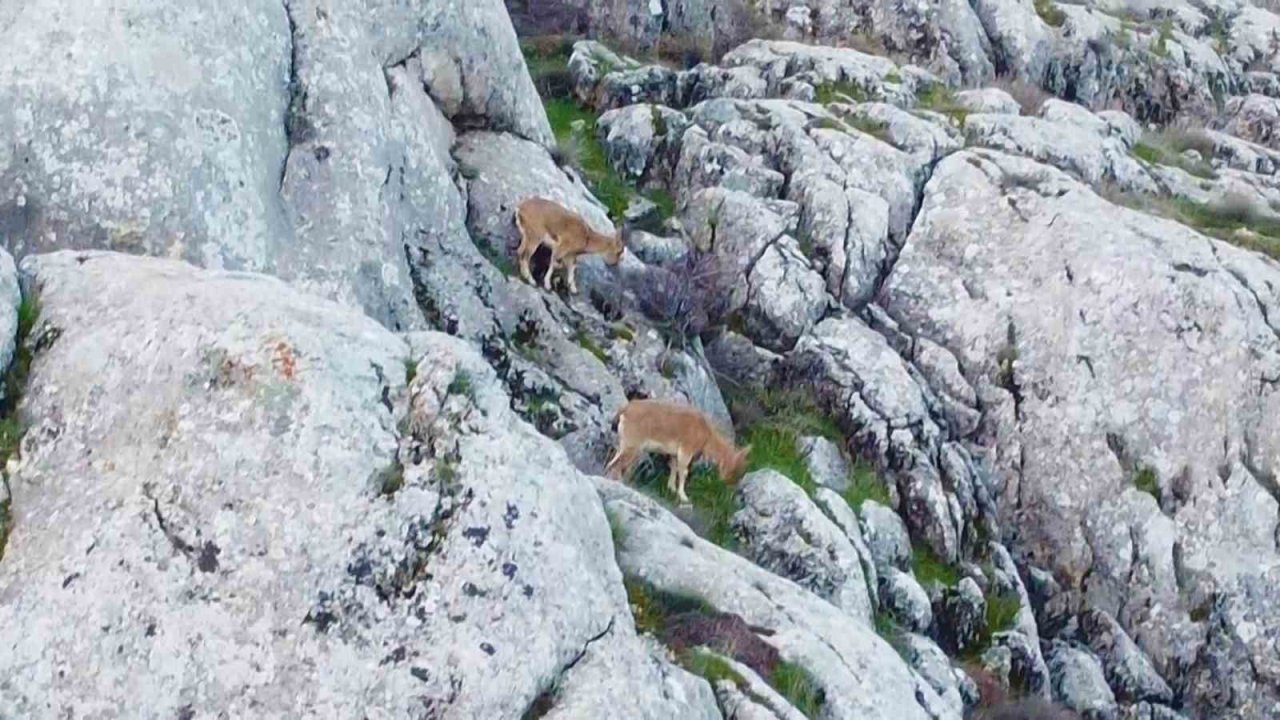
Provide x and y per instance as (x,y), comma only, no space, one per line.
(860,674)
(10,301)
(171,545)
(926,658)
(960,616)
(886,536)
(300,157)
(1078,682)
(1253,118)
(1076,374)
(826,463)
(905,601)
(783,531)
(1129,671)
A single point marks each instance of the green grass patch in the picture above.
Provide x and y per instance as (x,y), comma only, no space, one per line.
(843,91)
(582,149)
(1050,13)
(772,421)
(410,370)
(462,385)
(1146,481)
(865,484)
(616,531)
(651,607)
(586,342)
(799,688)
(1167,147)
(940,99)
(547,58)
(664,201)
(877,129)
(776,447)
(710,667)
(711,498)
(1160,44)
(1234,220)
(929,568)
(11,426)
(1002,611)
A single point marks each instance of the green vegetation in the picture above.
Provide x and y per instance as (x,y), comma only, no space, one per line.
(796,685)
(410,370)
(547,58)
(11,426)
(864,485)
(1236,220)
(893,77)
(843,91)
(712,500)
(929,568)
(1160,44)
(616,531)
(1146,481)
(590,345)
(1167,147)
(392,480)
(1050,13)
(498,260)
(772,421)
(651,607)
(940,99)
(462,385)
(1002,611)
(710,667)
(578,145)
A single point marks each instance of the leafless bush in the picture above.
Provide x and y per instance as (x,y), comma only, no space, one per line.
(688,296)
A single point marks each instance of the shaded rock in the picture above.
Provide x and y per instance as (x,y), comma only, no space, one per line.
(993,101)
(826,462)
(926,658)
(1079,683)
(961,617)
(886,536)
(905,601)
(1129,671)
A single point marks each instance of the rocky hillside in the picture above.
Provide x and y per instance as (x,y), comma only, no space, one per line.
(993,298)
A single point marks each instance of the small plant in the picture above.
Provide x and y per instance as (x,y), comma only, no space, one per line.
(575,130)
(652,607)
(842,91)
(1050,13)
(799,688)
(877,129)
(586,342)
(547,58)
(772,421)
(687,297)
(929,568)
(939,98)
(665,203)
(893,77)
(1146,481)
(462,385)
(1002,612)
(712,499)
(1167,147)
(710,667)
(616,530)
(392,480)
(410,370)
(864,485)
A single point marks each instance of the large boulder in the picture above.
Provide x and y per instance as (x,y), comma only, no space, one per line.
(235,497)
(1133,425)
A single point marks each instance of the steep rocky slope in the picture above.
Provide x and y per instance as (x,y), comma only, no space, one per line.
(1007,364)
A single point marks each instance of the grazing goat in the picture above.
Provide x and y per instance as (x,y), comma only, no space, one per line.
(678,430)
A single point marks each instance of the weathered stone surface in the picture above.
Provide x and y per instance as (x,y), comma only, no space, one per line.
(10,301)
(886,536)
(905,601)
(1253,118)
(1129,672)
(860,674)
(827,464)
(844,517)
(926,658)
(255,499)
(1082,400)
(960,614)
(993,101)
(781,529)
(1078,682)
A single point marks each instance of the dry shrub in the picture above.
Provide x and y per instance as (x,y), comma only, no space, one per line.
(689,296)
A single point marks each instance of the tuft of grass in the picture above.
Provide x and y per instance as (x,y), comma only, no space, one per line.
(712,499)
(929,568)
(11,426)
(877,129)
(1146,481)
(777,447)
(589,344)
(652,607)
(665,202)
(1002,611)
(410,370)
(392,480)
(940,99)
(864,485)
(547,58)
(709,667)
(1166,148)
(616,531)
(462,385)
(799,688)
(1050,13)
(497,259)
(893,77)
(1236,220)
(772,421)
(842,91)
(583,149)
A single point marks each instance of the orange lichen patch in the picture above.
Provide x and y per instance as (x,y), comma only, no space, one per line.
(284,360)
